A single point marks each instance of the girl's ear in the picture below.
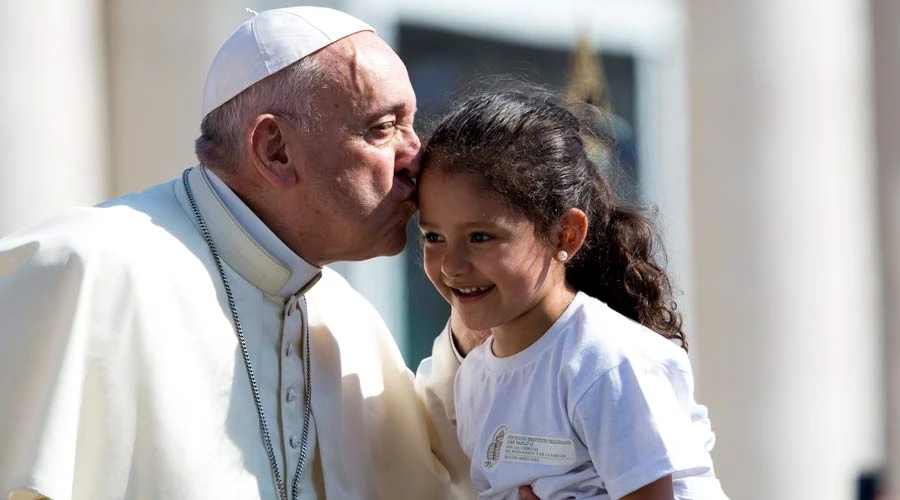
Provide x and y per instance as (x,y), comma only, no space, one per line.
(571,231)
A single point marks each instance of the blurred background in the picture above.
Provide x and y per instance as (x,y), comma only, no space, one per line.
(764,131)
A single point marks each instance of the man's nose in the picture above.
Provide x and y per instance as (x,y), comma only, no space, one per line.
(409,153)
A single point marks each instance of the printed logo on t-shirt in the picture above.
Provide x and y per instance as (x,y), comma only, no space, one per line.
(521,448)
(492,454)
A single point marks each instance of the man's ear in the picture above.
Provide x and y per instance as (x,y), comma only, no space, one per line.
(269,153)
(571,231)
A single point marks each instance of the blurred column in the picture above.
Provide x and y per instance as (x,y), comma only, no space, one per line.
(159,53)
(885,15)
(53,120)
(665,172)
(787,294)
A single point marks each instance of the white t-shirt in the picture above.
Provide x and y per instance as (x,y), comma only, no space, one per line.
(598,407)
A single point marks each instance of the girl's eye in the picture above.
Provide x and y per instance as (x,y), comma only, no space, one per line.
(432,237)
(479,238)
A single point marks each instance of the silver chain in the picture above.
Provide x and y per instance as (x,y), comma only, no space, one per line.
(263,427)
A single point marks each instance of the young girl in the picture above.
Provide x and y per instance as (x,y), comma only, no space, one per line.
(581,391)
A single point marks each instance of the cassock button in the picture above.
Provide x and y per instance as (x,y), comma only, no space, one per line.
(291,395)
(289,351)
(295,441)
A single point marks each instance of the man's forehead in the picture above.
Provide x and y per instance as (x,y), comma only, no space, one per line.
(364,50)
(365,73)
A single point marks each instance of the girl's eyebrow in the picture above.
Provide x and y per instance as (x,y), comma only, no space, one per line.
(469,226)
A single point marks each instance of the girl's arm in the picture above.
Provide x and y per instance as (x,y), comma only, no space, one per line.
(661,489)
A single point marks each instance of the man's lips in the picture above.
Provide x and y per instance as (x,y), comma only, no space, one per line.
(406,189)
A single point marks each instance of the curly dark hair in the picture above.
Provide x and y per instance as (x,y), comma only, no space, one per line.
(532,155)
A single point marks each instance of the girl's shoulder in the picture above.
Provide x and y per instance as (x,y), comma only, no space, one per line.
(600,339)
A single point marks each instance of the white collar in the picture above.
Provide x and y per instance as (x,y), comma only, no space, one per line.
(244,241)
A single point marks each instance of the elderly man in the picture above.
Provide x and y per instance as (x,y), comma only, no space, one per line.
(188,342)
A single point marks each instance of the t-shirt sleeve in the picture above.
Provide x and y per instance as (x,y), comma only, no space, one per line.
(636,426)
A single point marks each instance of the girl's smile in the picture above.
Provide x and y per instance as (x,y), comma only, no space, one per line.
(466,294)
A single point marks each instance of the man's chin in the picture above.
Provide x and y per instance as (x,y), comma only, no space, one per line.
(385,249)
(396,246)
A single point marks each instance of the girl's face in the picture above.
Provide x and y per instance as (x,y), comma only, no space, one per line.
(485,258)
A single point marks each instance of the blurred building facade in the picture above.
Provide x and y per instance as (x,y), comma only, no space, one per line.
(764,135)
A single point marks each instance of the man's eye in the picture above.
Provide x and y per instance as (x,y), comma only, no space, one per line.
(479,238)
(432,238)
(381,132)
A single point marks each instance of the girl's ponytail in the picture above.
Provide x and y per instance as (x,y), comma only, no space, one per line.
(618,265)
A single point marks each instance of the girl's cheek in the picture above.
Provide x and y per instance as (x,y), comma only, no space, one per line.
(432,267)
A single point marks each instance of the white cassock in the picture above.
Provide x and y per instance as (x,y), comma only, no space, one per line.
(121,376)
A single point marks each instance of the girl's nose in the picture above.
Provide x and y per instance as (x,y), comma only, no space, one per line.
(455,263)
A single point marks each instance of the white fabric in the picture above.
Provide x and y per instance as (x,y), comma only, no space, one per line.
(596,408)
(269,42)
(121,376)
(434,382)
(301,271)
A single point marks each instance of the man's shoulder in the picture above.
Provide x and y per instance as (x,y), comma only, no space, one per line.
(335,299)
(136,223)
(336,292)
(157,205)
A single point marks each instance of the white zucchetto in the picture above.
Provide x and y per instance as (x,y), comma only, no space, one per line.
(269,42)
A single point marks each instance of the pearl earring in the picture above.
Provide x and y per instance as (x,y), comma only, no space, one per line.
(562,256)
